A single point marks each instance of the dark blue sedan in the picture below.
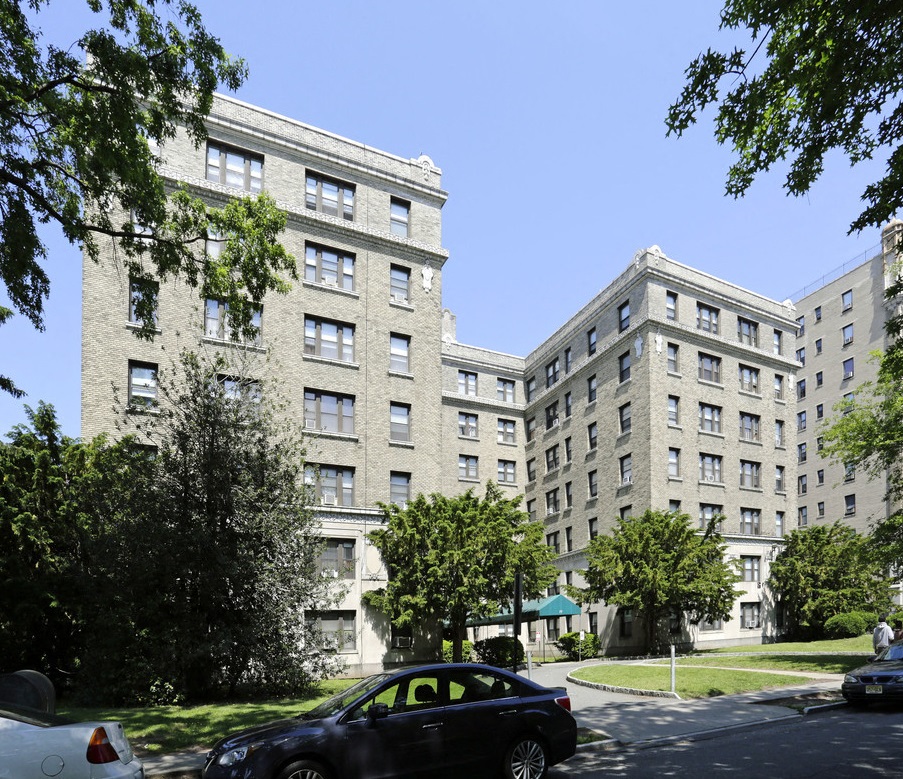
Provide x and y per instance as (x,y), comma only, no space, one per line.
(451,720)
(880,680)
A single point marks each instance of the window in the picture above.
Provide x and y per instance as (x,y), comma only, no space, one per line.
(530,388)
(749,427)
(778,342)
(143,300)
(591,341)
(531,469)
(399,284)
(849,505)
(749,522)
(625,468)
(399,422)
(705,626)
(592,484)
(567,449)
(710,467)
(506,472)
(399,217)
(801,421)
(801,356)
(337,558)
(553,370)
(778,387)
(329,196)
(234,168)
(779,484)
(673,361)
(674,506)
(216,321)
(329,266)
(552,459)
(504,390)
(709,368)
(552,502)
(674,463)
(779,433)
(332,340)
(846,300)
(673,410)
(332,485)
(820,478)
(848,401)
(747,332)
(849,472)
(399,488)
(399,353)
(552,415)
(592,434)
(591,388)
(625,623)
(818,346)
(709,418)
(709,513)
(569,547)
(593,526)
(800,325)
(567,404)
(338,630)
(467,383)
(779,523)
(568,360)
(847,334)
(820,508)
(801,455)
(819,379)
(707,318)
(802,484)
(818,313)
(624,367)
(848,369)
(624,418)
(468,467)
(624,511)
(467,425)
(749,379)
(623,316)
(749,616)
(531,509)
(749,474)
(505,431)
(530,429)
(328,411)
(568,495)
(671,306)
(751,568)
(802,516)
(142,384)
(801,389)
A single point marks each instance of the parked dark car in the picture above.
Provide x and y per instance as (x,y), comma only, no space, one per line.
(879,680)
(453,720)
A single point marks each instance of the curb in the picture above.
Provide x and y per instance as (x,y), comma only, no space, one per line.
(623,690)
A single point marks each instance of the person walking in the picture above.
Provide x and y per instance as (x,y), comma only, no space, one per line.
(882,635)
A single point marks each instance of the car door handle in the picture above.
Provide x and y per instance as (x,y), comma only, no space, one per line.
(507,713)
(433,726)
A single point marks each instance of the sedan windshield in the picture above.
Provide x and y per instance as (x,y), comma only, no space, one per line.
(893,652)
(340,700)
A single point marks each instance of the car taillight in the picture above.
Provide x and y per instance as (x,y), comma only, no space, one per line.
(100,750)
(564,701)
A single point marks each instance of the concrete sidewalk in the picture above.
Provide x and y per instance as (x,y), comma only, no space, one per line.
(626,720)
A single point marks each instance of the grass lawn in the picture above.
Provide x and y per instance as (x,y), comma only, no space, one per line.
(861,644)
(827,664)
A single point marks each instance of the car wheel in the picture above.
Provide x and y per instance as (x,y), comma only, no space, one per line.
(304,769)
(526,758)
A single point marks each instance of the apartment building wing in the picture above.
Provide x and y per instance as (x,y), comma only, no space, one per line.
(670,390)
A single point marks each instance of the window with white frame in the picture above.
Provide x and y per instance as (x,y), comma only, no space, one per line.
(331,267)
(328,339)
(846,333)
(779,523)
(234,167)
(399,488)
(399,284)
(506,428)
(328,411)
(399,422)
(801,421)
(846,300)
(778,342)
(399,217)
(751,567)
(142,384)
(710,469)
(801,326)
(399,353)
(467,383)
(333,485)
(707,318)
(506,472)
(329,196)
(467,425)
(468,467)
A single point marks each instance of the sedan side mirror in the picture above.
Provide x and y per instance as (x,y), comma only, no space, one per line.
(378,711)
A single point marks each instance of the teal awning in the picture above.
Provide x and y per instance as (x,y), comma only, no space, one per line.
(546,608)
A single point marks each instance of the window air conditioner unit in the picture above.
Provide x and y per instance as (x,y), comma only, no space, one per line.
(555,422)
(400,298)
(328,500)
(847,376)
(710,478)
(550,511)
(627,480)
(848,341)
(328,282)
(401,642)
(309,424)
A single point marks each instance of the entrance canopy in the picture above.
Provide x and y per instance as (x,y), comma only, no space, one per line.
(546,608)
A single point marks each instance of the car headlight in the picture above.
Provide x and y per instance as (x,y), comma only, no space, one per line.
(234,756)
(850,679)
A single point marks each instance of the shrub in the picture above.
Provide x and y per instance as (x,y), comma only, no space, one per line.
(498,651)
(849,625)
(466,651)
(575,649)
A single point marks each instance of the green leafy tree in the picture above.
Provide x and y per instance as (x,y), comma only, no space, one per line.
(826,570)
(456,558)
(658,565)
(80,127)
(815,77)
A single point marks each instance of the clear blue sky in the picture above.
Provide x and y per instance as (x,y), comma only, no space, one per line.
(548,123)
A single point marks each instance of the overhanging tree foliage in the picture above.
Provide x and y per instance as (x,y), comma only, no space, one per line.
(658,565)
(80,129)
(451,559)
(819,76)
(825,570)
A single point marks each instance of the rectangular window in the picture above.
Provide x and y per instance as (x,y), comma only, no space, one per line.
(778,345)
(553,371)
(747,332)
(846,300)
(504,390)
(749,427)
(142,384)
(800,326)
(552,458)
(709,368)
(567,449)
(624,418)
(329,266)
(399,217)
(673,358)
(399,284)
(625,623)
(818,346)
(592,479)
(779,484)
(847,334)
(673,410)
(399,488)
(749,616)
(399,353)
(467,383)
(569,547)
(749,474)
(530,429)
(328,339)
(592,434)
(801,389)
(623,316)
(568,495)
(848,369)
(234,168)
(593,527)
(801,421)
(779,523)
(710,468)
(779,433)
(505,431)
(337,558)
(849,472)
(749,521)
(552,415)
(591,341)
(531,469)
(624,367)
(328,411)
(530,388)
(625,467)
(801,454)
(818,313)
(671,306)
(819,379)
(329,196)
(467,425)
(552,541)
(399,422)
(751,568)
(468,467)
(820,477)
(709,418)
(802,516)
(849,505)
(338,630)
(778,387)
(591,388)
(552,502)
(567,404)
(709,513)
(801,356)
(216,321)
(749,379)
(707,318)
(802,484)
(568,360)
(674,463)
(506,472)
(820,508)
(333,485)
(143,300)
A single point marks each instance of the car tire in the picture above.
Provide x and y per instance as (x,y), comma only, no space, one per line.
(304,769)
(526,758)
